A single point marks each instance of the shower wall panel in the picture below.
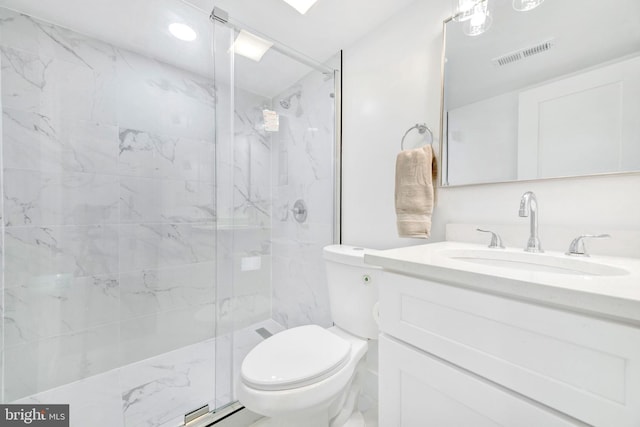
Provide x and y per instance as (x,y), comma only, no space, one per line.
(303,157)
(60,214)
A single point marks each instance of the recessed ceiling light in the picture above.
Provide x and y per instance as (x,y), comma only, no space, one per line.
(183,32)
(301,6)
(251,46)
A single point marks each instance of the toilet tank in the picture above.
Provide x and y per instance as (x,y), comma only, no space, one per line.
(353,289)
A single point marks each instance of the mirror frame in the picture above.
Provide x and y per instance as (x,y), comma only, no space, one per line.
(442,157)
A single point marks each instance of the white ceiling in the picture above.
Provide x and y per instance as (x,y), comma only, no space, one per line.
(141,26)
(584,33)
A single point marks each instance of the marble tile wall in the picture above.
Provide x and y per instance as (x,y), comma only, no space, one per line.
(109,207)
(60,206)
(303,153)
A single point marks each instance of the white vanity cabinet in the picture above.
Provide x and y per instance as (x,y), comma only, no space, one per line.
(454,356)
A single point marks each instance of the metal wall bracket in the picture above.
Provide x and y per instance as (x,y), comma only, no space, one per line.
(219,15)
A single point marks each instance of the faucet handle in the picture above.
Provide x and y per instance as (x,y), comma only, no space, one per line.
(577,246)
(496,241)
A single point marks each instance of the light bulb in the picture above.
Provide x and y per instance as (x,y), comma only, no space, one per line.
(479,21)
(463,9)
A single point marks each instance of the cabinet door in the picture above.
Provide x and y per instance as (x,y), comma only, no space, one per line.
(418,390)
(585,367)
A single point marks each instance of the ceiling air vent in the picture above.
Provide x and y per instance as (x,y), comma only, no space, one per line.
(521,54)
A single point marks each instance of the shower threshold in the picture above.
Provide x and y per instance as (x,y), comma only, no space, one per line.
(233,415)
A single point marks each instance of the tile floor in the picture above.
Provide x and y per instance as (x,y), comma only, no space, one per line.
(157,392)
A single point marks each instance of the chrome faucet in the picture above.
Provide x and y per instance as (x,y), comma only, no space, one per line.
(529,207)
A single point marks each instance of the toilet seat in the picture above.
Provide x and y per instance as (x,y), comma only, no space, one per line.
(295,358)
(318,395)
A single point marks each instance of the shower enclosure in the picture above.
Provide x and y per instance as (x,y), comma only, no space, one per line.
(152,211)
(276,169)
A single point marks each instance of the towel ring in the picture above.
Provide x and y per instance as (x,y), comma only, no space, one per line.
(422,129)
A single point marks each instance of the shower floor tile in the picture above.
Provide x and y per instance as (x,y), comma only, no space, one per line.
(156,392)
(94,401)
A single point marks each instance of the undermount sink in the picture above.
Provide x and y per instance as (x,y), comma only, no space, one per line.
(602,285)
(533,262)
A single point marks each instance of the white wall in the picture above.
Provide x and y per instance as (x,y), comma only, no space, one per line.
(392,81)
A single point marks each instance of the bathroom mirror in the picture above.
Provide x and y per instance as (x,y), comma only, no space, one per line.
(550,92)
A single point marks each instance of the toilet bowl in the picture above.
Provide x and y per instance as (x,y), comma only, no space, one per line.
(309,375)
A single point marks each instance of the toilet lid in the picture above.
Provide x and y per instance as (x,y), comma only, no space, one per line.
(294,358)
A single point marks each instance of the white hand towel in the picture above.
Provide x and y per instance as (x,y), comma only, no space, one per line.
(415,172)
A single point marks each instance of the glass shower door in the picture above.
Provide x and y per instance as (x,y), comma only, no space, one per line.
(276,181)
(108,209)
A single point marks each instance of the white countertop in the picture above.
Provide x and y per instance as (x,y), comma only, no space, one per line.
(616,297)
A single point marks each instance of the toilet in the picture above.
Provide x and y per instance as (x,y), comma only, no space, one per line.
(311,376)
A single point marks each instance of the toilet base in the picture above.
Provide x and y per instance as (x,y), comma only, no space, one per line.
(356,420)
(343,411)
(306,420)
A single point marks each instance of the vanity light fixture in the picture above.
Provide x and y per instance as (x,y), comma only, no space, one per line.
(183,32)
(525,5)
(301,6)
(250,45)
(476,14)
(463,9)
(480,19)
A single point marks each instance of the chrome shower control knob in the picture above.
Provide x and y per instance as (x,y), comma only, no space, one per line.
(300,211)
